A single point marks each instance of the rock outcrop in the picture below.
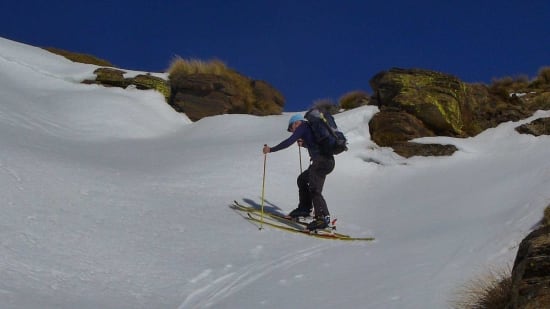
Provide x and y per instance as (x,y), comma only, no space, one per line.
(418,103)
(202,95)
(531,271)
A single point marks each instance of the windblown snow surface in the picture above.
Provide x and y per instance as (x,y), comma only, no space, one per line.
(110,199)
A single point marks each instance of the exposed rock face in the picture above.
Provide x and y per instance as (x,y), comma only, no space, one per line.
(538,127)
(201,95)
(410,149)
(389,127)
(395,128)
(531,272)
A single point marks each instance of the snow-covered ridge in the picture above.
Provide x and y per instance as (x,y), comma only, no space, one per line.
(42,92)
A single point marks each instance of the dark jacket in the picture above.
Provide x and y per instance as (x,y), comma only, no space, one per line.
(305,133)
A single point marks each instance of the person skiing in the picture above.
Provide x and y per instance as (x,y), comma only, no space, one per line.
(312,180)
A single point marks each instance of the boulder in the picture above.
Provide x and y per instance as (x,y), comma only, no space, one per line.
(202,95)
(395,128)
(389,127)
(110,77)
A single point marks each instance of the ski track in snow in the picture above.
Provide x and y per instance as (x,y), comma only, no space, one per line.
(28,66)
(212,287)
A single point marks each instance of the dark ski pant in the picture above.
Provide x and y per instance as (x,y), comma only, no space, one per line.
(310,185)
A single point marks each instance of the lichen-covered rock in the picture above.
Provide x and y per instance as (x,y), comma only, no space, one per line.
(112,77)
(435,98)
(147,81)
(415,103)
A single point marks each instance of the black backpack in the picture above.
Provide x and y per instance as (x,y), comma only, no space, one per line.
(331,141)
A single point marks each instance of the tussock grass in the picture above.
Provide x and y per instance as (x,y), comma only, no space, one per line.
(506,85)
(546,218)
(544,75)
(491,290)
(542,101)
(354,99)
(196,66)
(326,104)
(78,57)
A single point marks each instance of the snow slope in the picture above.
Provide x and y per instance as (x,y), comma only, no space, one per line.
(110,199)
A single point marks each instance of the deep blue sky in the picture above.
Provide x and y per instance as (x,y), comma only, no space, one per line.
(306,49)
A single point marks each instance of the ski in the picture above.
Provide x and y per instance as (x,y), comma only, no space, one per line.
(278,216)
(324,234)
(295,222)
(282,222)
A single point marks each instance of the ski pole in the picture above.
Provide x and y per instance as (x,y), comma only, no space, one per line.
(300,155)
(263,192)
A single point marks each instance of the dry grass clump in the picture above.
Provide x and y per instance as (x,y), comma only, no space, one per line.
(506,85)
(354,99)
(542,101)
(326,104)
(546,218)
(489,291)
(544,75)
(78,57)
(196,66)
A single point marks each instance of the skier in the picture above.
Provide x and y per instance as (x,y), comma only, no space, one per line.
(311,181)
